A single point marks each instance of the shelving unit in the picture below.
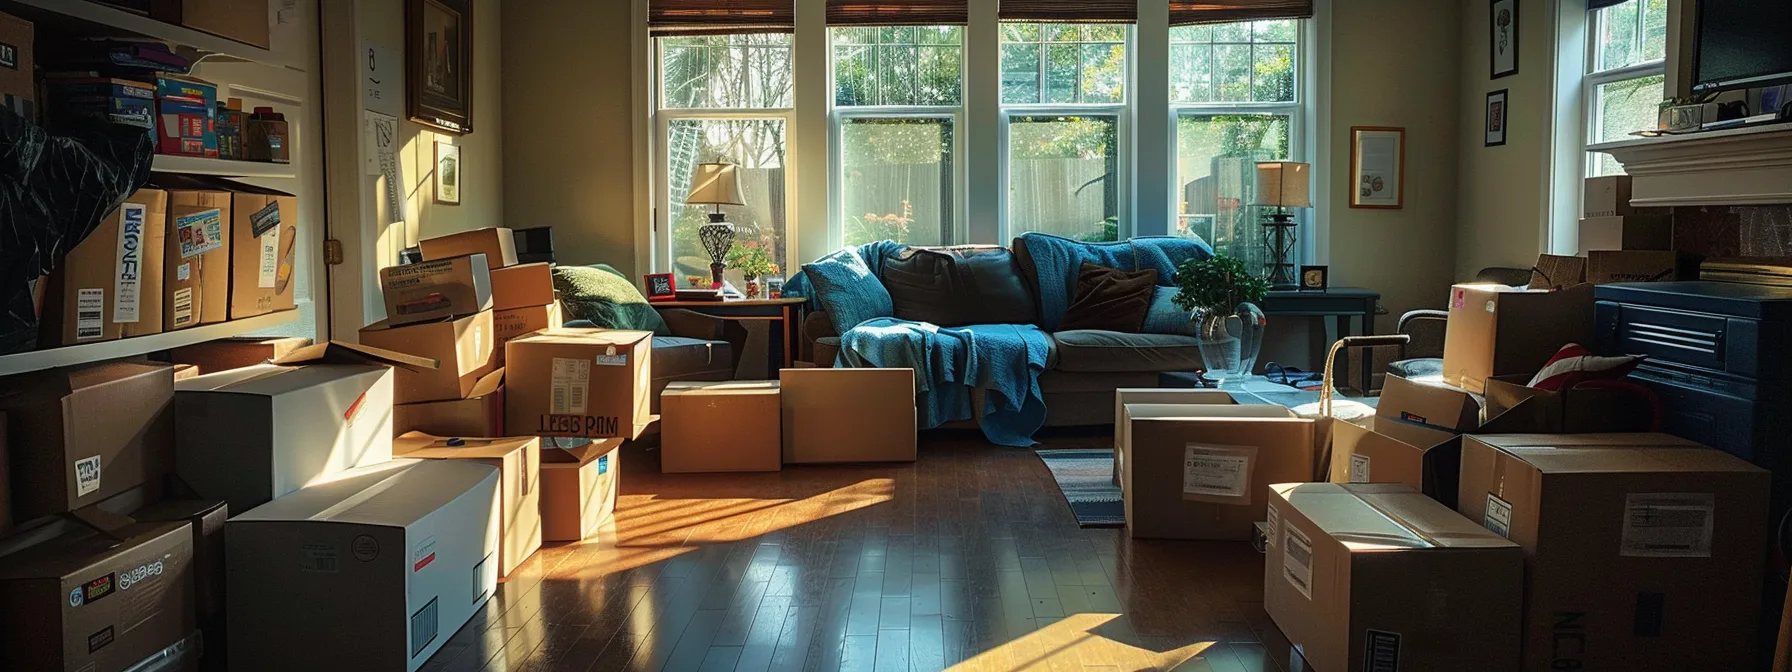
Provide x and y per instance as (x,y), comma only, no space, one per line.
(194,165)
(98,19)
(142,345)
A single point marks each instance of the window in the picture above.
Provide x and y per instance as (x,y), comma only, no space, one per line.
(725,98)
(898,98)
(1064,98)
(1237,99)
(1625,81)
(1057,63)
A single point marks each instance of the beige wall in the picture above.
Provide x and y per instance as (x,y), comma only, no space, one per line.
(1501,191)
(569,133)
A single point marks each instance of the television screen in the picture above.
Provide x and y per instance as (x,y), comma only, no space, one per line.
(1743,44)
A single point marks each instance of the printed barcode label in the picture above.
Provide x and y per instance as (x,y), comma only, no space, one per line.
(322,558)
(1667,525)
(184,272)
(1216,471)
(183,305)
(479,580)
(90,314)
(270,259)
(570,380)
(1359,468)
(1498,517)
(424,627)
(1381,651)
(87,476)
(1273,527)
(1297,561)
(127,287)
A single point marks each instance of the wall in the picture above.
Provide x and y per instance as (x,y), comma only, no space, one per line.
(570,127)
(1502,191)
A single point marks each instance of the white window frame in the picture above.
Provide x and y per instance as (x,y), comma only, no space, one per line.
(1596,78)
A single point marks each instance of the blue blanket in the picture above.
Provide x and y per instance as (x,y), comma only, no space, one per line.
(1057,261)
(1005,360)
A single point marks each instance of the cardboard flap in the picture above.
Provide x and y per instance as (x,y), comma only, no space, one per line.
(429,446)
(575,450)
(488,384)
(338,352)
(1557,272)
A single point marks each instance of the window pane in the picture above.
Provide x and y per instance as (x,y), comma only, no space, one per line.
(1630,33)
(757,146)
(1234,62)
(897,65)
(1622,108)
(896,180)
(1063,176)
(726,71)
(1216,168)
(1081,64)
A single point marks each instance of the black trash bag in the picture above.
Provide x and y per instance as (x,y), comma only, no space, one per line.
(54,191)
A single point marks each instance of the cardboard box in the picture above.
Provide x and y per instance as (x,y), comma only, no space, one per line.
(510,323)
(1380,577)
(245,21)
(18,90)
(1638,266)
(1428,404)
(720,426)
(584,383)
(74,96)
(264,233)
(110,285)
(74,599)
(383,564)
(1607,196)
(1495,330)
(522,285)
(1361,454)
(235,353)
(205,521)
(196,265)
(1514,407)
(848,415)
(518,460)
(185,372)
(186,113)
(498,245)
(1146,395)
(480,414)
(79,435)
(1642,552)
(432,290)
(462,349)
(1203,472)
(1632,232)
(578,486)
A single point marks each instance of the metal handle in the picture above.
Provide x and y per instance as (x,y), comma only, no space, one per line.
(1325,392)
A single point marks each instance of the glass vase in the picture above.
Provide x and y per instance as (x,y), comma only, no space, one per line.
(1229,341)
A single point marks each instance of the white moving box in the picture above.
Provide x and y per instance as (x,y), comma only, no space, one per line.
(372,571)
(250,435)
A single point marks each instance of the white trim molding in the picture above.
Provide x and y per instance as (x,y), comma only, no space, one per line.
(1744,166)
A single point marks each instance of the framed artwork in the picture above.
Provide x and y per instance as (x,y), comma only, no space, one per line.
(438,60)
(447,173)
(1314,278)
(1502,45)
(1498,112)
(1377,167)
(660,287)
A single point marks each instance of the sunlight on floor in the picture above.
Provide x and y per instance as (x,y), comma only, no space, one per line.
(1074,640)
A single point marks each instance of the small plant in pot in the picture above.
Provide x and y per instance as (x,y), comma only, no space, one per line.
(1221,297)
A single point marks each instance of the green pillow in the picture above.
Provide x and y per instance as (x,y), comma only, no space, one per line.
(607,298)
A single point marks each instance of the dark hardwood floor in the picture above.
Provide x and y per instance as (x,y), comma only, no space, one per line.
(968,559)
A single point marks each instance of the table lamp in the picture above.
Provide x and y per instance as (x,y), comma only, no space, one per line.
(1282,185)
(716,184)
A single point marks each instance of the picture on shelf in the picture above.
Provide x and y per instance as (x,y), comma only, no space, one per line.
(659,287)
(1315,278)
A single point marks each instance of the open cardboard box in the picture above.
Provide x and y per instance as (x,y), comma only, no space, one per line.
(1496,330)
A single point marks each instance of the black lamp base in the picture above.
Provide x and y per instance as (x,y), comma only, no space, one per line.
(1278,237)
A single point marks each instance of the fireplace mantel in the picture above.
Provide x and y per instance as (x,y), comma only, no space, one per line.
(1742,166)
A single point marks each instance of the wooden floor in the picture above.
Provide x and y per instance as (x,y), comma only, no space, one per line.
(968,560)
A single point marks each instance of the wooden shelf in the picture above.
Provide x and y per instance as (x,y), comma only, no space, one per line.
(194,165)
(92,18)
(130,347)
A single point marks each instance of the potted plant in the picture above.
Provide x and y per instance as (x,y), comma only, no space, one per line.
(751,260)
(1221,297)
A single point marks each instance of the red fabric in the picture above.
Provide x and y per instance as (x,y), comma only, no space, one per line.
(1574,364)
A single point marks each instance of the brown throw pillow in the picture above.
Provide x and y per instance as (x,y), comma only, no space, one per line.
(1110,299)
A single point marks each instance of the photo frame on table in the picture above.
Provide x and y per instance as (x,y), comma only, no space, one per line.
(1315,278)
(438,64)
(1377,167)
(1499,113)
(1502,38)
(659,287)
(447,173)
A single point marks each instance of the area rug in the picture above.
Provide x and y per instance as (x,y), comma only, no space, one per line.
(1085,476)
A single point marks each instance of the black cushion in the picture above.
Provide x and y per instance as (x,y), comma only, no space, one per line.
(958,286)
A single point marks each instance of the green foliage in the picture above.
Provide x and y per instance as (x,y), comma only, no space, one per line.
(1110,232)
(750,259)
(1219,283)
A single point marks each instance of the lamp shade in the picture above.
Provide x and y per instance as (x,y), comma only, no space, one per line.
(1284,184)
(715,184)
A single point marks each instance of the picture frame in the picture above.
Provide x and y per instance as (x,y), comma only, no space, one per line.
(438,59)
(1502,38)
(1499,114)
(1315,278)
(1378,167)
(447,173)
(659,287)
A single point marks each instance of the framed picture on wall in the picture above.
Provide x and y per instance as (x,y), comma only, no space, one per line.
(1498,113)
(1377,167)
(447,173)
(438,60)
(1502,45)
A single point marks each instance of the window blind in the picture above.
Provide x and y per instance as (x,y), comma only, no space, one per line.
(671,18)
(1191,12)
(1070,11)
(898,12)
(1602,4)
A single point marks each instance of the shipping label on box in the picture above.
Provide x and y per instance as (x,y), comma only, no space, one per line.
(196,261)
(435,289)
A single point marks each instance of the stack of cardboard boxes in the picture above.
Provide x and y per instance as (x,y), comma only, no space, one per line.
(1625,243)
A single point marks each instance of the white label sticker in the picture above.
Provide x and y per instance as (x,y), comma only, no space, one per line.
(1217,471)
(1490,306)
(1667,525)
(184,272)
(1359,468)
(1498,517)
(127,287)
(270,259)
(1297,562)
(87,476)
(612,358)
(90,314)
(1272,527)
(571,379)
(322,558)
(183,305)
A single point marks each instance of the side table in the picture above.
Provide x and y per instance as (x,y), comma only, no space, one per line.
(785,314)
(1339,304)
